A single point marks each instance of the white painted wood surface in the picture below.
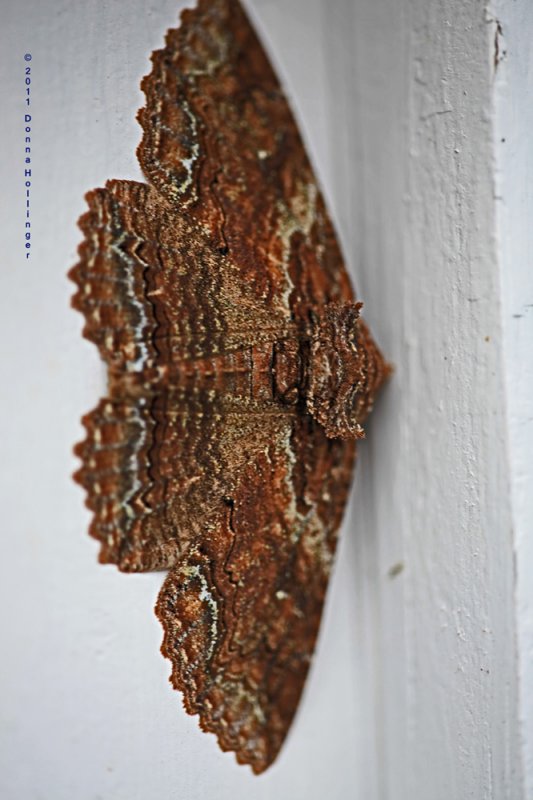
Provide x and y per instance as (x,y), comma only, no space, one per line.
(514,195)
(414,690)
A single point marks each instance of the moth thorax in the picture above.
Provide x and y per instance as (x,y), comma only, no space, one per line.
(343,370)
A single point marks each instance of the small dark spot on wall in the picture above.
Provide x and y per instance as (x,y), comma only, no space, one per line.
(396,569)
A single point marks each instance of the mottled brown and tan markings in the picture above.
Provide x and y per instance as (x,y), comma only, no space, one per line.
(240,375)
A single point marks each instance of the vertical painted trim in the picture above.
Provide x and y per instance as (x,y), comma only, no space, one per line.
(513,52)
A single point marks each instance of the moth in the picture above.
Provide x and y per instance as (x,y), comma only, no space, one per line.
(240,372)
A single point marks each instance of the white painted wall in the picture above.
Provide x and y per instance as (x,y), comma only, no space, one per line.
(414,690)
(514,195)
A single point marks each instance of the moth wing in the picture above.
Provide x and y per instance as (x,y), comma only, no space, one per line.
(148,491)
(157,472)
(155,291)
(221,144)
(231,244)
(242,610)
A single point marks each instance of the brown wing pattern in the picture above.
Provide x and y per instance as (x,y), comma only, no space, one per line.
(242,611)
(220,141)
(155,476)
(153,288)
(205,291)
